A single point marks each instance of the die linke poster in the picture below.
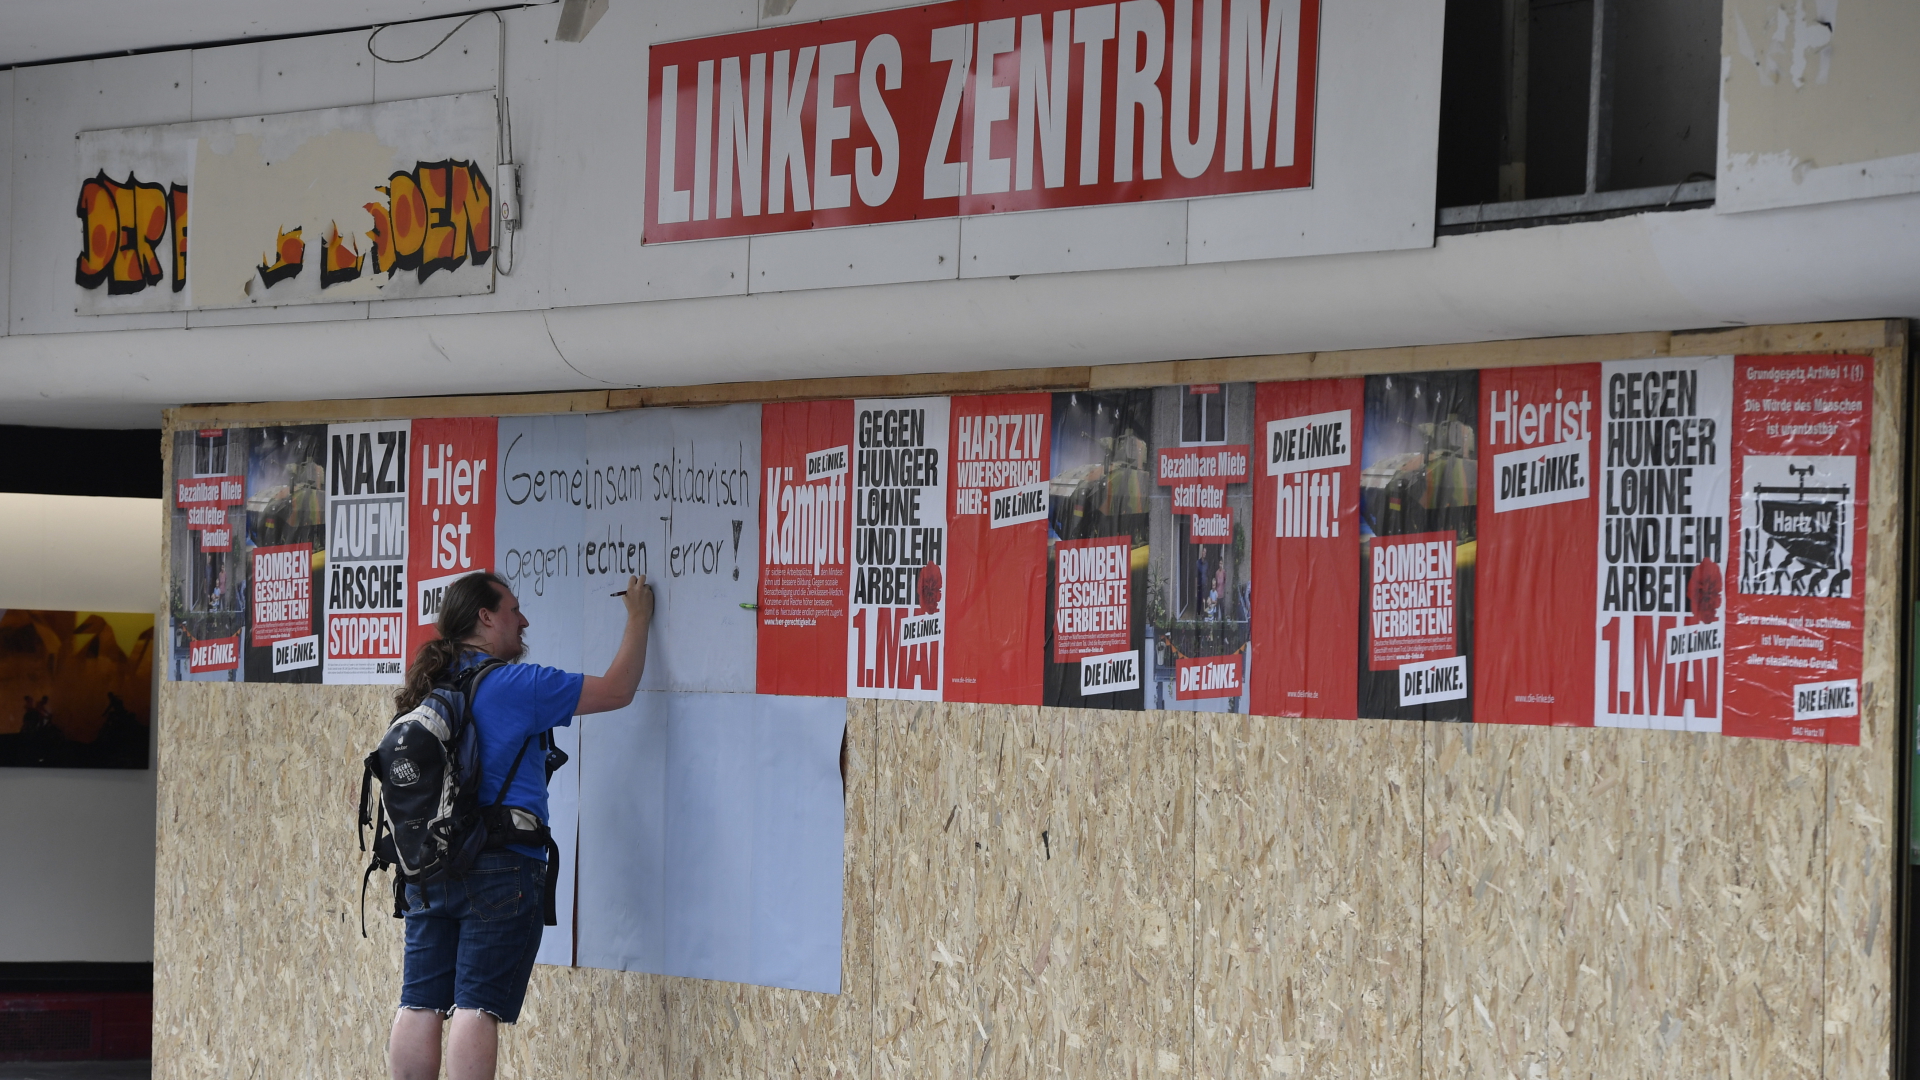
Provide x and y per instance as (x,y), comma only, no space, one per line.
(806,535)
(896,626)
(1306,546)
(1666,448)
(1797,562)
(1673,542)
(996,578)
(366,594)
(451,505)
(978,107)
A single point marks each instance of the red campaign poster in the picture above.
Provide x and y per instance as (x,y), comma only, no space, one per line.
(1538,538)
(454,493)
(806,526)
(1796,602)
(282,593)
(997,557)
(1306,548)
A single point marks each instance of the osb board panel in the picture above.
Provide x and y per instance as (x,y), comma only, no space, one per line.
(1308,898)
(1686,893)
(1863,803)
(732,1031)
(1033,909)
(259,968)
(1487,911)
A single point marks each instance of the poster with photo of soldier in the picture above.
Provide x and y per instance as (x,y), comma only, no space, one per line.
(1419,506)
(1098,527)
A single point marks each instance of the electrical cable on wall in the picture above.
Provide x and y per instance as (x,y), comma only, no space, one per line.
(507,172)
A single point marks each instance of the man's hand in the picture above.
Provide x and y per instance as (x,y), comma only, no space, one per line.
(639,599)
(614,690)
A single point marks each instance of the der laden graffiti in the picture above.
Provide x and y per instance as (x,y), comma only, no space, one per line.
(121,227)
(436,217)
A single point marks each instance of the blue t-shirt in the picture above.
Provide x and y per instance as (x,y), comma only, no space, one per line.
(513,703)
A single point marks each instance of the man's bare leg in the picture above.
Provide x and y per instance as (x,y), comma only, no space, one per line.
(473,1043)
(413,1053)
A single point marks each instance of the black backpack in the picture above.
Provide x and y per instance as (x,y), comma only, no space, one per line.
(431,824)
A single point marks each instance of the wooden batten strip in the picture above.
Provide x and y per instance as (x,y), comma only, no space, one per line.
(861,386)
(1859,336)
(243,414)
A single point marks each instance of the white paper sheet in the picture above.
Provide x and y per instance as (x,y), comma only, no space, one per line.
(712,842)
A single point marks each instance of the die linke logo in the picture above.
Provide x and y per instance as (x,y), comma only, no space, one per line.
(1015,506)
(1110,672)
(296,653)
(1304,455)
(1207,677)
(220,654)
(824,463)
(1552,464)
(1826,700)
(1433,680)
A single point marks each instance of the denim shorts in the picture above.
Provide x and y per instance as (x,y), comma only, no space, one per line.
(471,941)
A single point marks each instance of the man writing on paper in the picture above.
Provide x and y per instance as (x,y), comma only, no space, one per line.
(471,941)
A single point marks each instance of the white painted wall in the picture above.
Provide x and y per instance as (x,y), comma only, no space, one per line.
(78,843)
(1819,102)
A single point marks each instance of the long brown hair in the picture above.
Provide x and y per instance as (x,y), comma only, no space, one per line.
(460,608)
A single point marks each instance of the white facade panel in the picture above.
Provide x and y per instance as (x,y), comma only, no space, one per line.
(1081,238)
(1375,153)
(52,106)
(865,255)
(289,75)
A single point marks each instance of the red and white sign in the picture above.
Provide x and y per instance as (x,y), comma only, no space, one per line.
(373,640)
(1538,527)
(997,540)
(978,107)
(1796,577)
(1411,605)
(1306,549)
(451,513)
(1093,600)
(806,535)
(220,654)
(282,593)
(206,499)
(1198,477)
(1201,677)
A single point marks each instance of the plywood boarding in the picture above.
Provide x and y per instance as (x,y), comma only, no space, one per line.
(1308,888)
(1862,802)
(1040,892)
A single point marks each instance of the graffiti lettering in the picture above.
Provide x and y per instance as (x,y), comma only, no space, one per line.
(340,262)
(288,258)
(439,216)
(177,195)
(120,224)
(436,217)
